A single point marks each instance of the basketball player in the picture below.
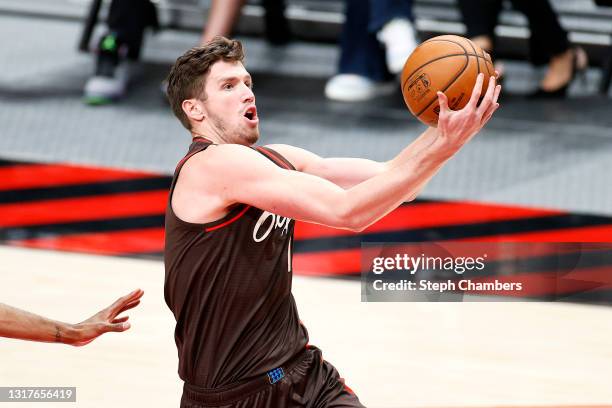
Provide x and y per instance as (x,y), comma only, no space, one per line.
(229,228)
(19,324)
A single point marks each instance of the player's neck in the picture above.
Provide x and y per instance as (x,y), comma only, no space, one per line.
(207,133)
(196,135)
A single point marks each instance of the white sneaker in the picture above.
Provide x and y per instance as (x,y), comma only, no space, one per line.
(112,74)
(101,89)
(354,88)
(399,39)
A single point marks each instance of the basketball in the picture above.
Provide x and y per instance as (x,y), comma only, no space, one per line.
(447,63)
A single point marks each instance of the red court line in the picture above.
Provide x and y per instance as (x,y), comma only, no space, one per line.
(22,176)
(430,215)
(344,262)
(80,209)
(599,233)
(105,243)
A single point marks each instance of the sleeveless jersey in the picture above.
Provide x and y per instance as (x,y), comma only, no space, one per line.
(228,284)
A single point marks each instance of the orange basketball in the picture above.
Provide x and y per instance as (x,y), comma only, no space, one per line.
(446,63)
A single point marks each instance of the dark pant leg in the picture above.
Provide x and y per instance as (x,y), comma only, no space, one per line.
(548,38)
(360,51)
(383,11)
(480,17)
(128,19)
(324,386)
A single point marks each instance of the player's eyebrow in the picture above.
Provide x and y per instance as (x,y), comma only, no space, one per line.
(233,78)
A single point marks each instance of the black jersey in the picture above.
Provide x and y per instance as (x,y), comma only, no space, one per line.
(228,284)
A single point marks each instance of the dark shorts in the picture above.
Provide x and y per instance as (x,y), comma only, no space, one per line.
(308,382)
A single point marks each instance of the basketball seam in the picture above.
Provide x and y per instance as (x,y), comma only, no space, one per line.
(476,52)
(465,53)
(439,58)
(449,55)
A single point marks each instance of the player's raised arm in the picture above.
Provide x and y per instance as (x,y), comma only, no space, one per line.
(348,172)
(239,174)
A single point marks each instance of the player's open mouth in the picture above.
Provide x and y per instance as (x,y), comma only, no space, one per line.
(251,115)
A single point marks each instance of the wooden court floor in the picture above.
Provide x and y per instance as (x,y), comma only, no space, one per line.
(392,354)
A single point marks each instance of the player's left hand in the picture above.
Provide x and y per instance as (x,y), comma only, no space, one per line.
(458,127)
(106,320)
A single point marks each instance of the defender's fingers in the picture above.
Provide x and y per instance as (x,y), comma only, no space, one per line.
(129,298)
(117,327)
(128,307)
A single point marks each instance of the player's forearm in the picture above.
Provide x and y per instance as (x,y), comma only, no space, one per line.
(423,141)
(374,198)
(19,324)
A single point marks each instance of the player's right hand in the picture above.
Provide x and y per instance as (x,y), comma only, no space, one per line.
(455,128)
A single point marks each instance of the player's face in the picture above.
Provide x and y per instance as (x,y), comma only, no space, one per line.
(230,103)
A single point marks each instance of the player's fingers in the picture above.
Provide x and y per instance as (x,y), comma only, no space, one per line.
(121,319)
(496,94)
(487,101)
(476,91)
(443,102)
(487,116)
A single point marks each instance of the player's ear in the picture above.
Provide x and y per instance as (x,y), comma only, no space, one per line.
(194,109)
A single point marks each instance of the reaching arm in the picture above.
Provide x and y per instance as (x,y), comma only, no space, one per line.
(20,324)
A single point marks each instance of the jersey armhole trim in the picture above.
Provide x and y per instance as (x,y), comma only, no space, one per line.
(226,223)
(275,157)
(233,215)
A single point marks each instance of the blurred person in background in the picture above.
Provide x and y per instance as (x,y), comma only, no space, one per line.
(119,48)
(548,42)
(20,324)
(377,37)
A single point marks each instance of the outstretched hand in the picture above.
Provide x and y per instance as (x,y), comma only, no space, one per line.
(456,128)
(106,320)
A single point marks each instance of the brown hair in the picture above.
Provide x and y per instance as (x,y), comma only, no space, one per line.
(187,78)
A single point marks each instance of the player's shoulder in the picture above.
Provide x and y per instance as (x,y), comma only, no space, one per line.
(300,158)
(226,161)
(222,154)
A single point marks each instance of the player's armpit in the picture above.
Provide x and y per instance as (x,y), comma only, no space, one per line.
(242,175)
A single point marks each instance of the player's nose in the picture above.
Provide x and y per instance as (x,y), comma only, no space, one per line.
(247,94)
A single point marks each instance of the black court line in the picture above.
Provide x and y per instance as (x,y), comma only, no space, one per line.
(11,163)
(85,190)
(81,227)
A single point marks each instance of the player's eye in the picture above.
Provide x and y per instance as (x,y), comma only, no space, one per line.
(228,86)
